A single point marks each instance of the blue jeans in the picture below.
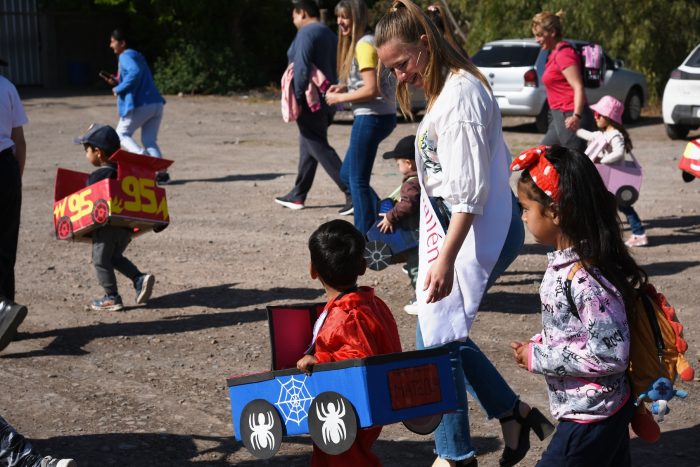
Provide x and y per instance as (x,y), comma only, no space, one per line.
(366,134)
(15,450)
(633,220)
(474,372)
(148,118)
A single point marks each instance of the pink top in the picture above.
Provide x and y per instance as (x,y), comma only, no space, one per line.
(560,94)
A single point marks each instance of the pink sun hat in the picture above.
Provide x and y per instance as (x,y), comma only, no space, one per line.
(609,107)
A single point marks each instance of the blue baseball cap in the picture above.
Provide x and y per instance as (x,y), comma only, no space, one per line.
(101,136)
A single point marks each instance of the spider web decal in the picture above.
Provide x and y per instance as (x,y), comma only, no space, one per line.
(294,400)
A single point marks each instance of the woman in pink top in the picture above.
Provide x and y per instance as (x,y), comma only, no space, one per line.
(563,81)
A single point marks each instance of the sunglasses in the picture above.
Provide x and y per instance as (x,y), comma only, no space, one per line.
(596,115)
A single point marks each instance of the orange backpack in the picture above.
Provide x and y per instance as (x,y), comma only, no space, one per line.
(656,350)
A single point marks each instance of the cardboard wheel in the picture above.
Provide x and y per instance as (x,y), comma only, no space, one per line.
(423,425)
(378,255)
(332,423)
(688,177)
(261,429)
(64,228)
(100,212)
(626,196)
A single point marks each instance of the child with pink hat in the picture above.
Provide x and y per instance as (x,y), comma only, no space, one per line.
(608,118)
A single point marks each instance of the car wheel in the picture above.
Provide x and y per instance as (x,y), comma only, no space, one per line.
(626,196)
(688,177)
(378,255)
(633,106)
(543,120)
(423,425)
(64,228)
(100,212)
(160,227)
(260,429)
(677,131)
(332,423)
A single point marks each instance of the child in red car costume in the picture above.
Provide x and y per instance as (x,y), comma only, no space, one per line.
(354,324)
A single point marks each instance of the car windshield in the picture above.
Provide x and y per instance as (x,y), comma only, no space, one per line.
(694,59)
(499,56)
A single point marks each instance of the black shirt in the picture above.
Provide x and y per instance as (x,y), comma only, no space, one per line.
(106,171)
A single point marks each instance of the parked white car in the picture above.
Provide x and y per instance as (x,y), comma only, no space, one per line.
(681,101)
(514,69)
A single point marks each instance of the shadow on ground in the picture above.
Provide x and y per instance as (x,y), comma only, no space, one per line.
(230,178)
(164,449)
(71,341)
(652,455)
(508,302)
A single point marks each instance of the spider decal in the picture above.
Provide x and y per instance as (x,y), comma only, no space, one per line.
(332,422)
(333,425)
(261,436)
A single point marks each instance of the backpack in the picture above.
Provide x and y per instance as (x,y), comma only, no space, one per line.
(592,63)
(656,351)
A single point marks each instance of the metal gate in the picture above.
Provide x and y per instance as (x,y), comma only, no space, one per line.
(20,43)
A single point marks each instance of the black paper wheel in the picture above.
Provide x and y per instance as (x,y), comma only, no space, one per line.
(261,429)
(378,255)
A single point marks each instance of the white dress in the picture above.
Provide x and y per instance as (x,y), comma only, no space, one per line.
(462,157)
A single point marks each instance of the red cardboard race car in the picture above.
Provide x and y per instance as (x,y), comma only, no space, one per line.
(132,200)
(690,161)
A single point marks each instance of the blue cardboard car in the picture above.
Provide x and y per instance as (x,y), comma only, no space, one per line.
(383,249)
(338,398)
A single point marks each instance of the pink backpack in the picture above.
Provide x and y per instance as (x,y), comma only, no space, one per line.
(592,63)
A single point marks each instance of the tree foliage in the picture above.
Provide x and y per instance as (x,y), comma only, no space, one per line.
(248,39)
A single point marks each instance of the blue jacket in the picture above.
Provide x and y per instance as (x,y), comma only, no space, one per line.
(314,44)
(136,86)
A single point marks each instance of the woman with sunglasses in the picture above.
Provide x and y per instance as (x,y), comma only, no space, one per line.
(462,162)
(563,82)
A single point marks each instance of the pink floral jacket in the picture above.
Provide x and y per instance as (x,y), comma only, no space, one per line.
(584,358)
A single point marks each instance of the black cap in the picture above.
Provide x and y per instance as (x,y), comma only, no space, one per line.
(405,149)
(100,136)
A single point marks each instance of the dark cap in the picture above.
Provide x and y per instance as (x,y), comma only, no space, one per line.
(100,136)
(405,149)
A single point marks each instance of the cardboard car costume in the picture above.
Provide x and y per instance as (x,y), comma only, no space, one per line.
(622,179)
(383,249)
(338,398)
(132,200)
(690,161)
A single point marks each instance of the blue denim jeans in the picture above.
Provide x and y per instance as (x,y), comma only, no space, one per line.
(633,220)
(148,118)
(15,450)
(474,372)
(366,134)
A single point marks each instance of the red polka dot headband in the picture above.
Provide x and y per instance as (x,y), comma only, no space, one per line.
(541,170)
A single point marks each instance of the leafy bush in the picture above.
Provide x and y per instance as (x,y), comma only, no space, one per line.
(193,67)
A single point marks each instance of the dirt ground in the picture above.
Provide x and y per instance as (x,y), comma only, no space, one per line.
(147,386)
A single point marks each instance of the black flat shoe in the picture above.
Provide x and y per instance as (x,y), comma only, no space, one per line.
(471,462)
(534,421)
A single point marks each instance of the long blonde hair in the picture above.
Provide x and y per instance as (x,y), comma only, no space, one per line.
(356,10)
(407,23)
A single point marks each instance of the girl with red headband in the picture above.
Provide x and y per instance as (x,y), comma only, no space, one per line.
(583,351)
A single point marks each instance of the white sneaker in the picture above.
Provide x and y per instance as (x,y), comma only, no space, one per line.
(49,461)
(637,240)
(411,308)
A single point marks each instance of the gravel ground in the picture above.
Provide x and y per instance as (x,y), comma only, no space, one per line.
(147,386)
